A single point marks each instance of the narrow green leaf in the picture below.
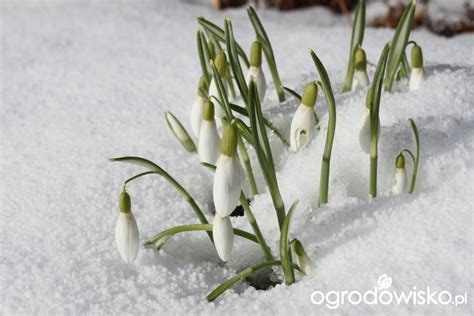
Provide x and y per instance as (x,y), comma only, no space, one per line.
(358,28)
(417,155)
(202,57)
(284,247)
(222,92)
(399,42)
(267,50)
(293,93)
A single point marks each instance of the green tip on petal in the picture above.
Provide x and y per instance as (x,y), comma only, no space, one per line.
(368,98)
(208,112)
(298,248)
(221,64)
(416,57)
(256,54)
(360,60)
(212,50)
(125,204)
(229,141)
(310,94)
(400,162)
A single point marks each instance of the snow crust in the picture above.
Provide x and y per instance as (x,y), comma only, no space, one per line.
(83,82)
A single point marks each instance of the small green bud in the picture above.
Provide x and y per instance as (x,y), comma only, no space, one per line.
(368,98)
(400,162)
(256,54)
(180,132)
(212,50)
(202,86)
(360,60)
(416,57)
(221,64)
(125,204)
(298,248)
(310,94)
(229,141)
(208,112)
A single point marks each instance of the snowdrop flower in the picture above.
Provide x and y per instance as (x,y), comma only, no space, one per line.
(126,231)
(364,134)
(223,235)
(228,175)
(303,125)
(179,131)
(400,175)
(209,139)
(360,80)
(197,108)
(302,259)
(221,64)
(417,73)
(255,70)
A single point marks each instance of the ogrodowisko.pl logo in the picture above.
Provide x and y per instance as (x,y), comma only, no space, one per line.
(382,294)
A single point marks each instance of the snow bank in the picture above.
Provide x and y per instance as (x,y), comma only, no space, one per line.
(85,82)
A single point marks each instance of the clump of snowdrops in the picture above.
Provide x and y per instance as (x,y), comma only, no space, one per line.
(227,119)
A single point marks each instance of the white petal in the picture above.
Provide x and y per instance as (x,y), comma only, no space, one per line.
(209,142)
(305,263)
(303,127)
(227,184)
(213,92)
(360,80)
(259,77)
(417,77)
(127,237)
(400,181)
(223,235)
(196,114)
(364,134)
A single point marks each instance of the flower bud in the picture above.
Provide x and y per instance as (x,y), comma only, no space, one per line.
(209,140)
(360,60)
(256,54)
(416,57)
(212,50)
(400,162)
(360,79)
(400,175)
(223,235)
(126,230)
(310,94)
(417,76)
(229,141)
(221,64)
(197,108)
(179,131)
(302,259)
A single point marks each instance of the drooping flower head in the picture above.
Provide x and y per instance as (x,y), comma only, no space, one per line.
(209,140)
(361,79)
(400,175)
(126,230)
(303,125)
(255,71)
(221,64)
(197,107)
(417,76)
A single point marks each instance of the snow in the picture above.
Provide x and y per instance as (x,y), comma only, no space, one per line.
(83,82)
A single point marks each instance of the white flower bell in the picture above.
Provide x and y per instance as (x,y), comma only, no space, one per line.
(223,235)
(221,64)
(209,140)
(417,76)
(400,176)
(360,79)
(364,134)
(126,230)
(302,259)
(228,176)
(255,70)
(197,108)
(303,125)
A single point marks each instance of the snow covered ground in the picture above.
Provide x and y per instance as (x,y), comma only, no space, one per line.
(83,82)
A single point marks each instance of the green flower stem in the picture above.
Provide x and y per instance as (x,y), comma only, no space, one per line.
(416,158)
(247,165)
(231,45)
(285,253)
(165,235)
(238,277)
(331,104)
(293,93)
(373,176)
(267,50)
(256,229)
(154,167)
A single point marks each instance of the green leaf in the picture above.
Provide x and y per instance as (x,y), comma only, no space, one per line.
(358,28)
(204,61)
(293,93)
(417,155)
(222,92)
(331,104)
(399,42)
(267,50)
(284,247)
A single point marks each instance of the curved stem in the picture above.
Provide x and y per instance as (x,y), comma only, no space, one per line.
(417,157)
(167,234)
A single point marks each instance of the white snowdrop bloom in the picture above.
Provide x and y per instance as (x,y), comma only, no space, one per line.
(221,64)
(228,174)
(360,79)
(255,70)
(303,125)
(223,235)
(209,140)
(302,259)
(364,133)
(417,76)
(400,176)
(126,230)
(197,109)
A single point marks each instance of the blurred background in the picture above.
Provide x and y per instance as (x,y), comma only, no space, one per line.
(444,17)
